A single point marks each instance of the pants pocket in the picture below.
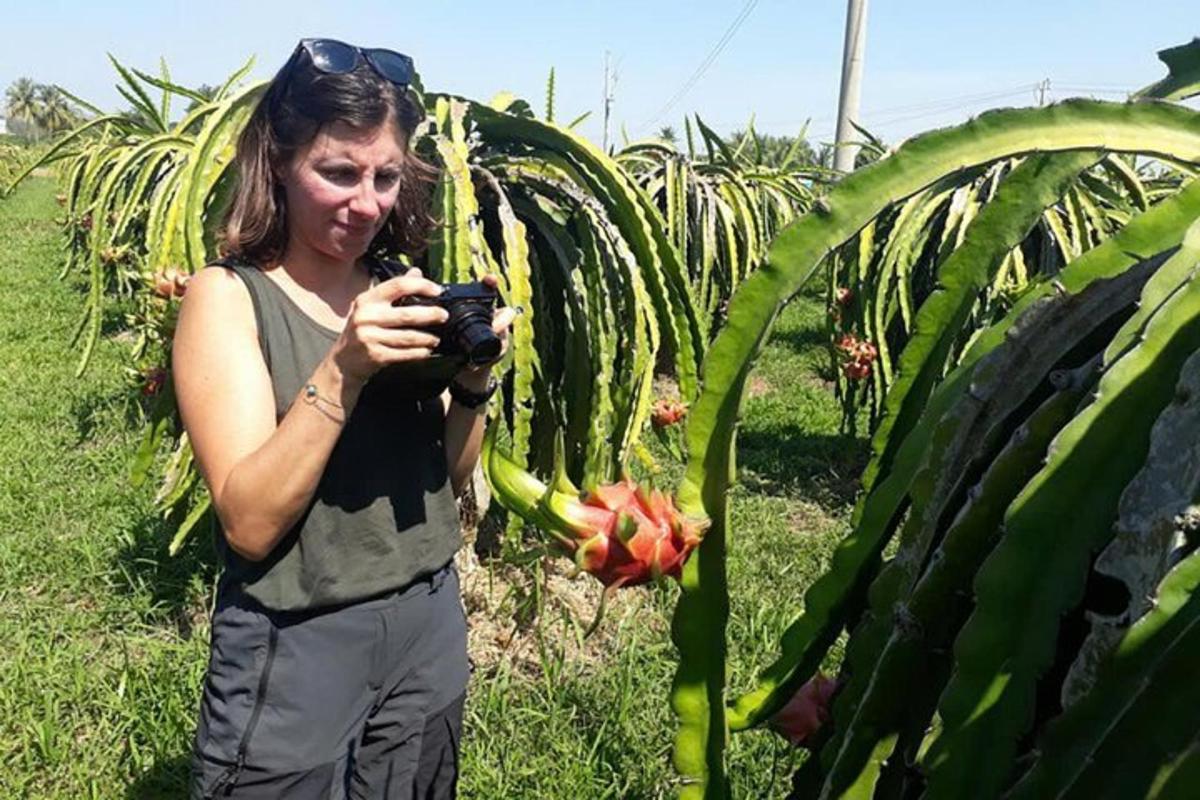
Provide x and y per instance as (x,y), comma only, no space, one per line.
(243,653)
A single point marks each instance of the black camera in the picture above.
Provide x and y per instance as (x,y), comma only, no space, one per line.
(468,331)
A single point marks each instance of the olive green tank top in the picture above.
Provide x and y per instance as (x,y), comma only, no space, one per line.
(383,513)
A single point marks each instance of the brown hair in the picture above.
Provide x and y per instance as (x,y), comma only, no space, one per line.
(298,103)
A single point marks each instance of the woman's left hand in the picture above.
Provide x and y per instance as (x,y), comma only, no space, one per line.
(476,376)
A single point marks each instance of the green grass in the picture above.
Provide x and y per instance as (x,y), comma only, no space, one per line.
(105,637)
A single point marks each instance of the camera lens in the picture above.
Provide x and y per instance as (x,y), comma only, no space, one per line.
(479,342)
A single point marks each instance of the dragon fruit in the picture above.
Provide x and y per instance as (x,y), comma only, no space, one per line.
(667,412)
(622,533)
(626,536)
(859,355)
(806,712)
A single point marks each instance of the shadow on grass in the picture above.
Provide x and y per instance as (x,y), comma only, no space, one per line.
(823,468)
(802,340)
(166,780)
(175,589)
(90,411)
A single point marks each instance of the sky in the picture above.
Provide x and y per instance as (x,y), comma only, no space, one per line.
(928,63)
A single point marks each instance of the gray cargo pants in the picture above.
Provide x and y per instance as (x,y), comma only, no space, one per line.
(363,701)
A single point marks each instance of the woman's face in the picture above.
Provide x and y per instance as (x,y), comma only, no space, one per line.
(341,189)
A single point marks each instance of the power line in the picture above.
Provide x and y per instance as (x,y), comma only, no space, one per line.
(933,112)
(705,64)
(885,115)
(948,104)
(962,98)
(1095,89)
(927,108)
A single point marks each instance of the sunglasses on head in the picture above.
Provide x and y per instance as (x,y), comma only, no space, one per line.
(337,58)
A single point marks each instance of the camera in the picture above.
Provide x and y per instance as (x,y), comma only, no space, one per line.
(468,331)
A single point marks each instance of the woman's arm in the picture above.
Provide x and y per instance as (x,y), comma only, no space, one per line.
(464,429)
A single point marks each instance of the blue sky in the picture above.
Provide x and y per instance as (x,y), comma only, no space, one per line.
(928,62)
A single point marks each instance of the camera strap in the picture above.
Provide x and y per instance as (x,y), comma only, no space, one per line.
(383,269)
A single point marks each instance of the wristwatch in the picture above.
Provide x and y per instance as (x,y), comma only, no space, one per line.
(471,399)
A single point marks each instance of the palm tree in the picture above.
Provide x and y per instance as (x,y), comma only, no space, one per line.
(21,103)
(55,113)
(667,134)
(206,91)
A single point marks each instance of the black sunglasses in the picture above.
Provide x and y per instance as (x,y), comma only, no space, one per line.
(337,58)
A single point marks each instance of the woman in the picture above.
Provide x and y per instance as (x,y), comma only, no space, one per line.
(323,425)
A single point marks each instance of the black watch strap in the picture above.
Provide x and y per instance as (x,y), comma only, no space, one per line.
(469,399)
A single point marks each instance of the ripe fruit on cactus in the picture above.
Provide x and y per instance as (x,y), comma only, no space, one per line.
(806,712)
(625,535)
(171,283)
(667,412)
(855,370)
(621,533)
(153,378)
(859,355)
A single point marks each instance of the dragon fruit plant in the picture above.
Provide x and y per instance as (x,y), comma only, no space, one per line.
(882,726)
(881,737)
(949,640)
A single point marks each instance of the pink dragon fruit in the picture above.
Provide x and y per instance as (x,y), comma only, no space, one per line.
(621,533)
(626,536)
(806,712)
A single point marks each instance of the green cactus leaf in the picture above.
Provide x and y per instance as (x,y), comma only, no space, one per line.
(1025,587)
(827,600)
(869,714)
(1140,717)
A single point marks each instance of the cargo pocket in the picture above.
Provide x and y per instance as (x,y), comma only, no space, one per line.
(234,694)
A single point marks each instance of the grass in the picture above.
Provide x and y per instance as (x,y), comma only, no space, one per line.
(106,637)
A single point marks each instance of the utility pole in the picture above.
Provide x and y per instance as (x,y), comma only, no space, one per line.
(610,85)
(852,59)
(1042,88)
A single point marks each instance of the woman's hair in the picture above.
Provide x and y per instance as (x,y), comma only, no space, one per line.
(299,102)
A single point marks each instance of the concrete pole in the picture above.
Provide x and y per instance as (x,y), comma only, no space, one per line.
(852,61)
(607,104)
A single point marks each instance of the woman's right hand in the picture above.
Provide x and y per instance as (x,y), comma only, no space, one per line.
(378,333)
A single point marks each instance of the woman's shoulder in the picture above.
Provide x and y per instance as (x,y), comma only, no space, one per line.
(219,293)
